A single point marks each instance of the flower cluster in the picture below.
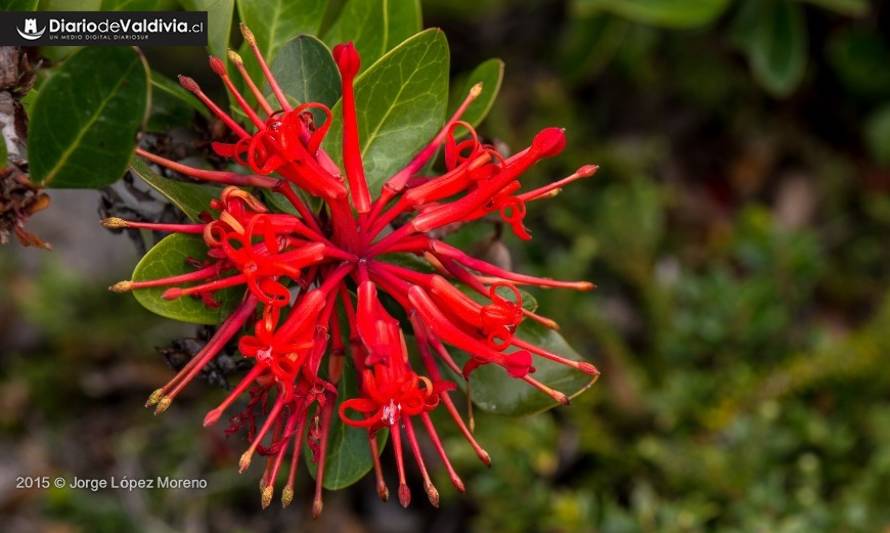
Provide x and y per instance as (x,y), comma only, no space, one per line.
(303,272)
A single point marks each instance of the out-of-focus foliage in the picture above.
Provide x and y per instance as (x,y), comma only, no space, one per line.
(738,231)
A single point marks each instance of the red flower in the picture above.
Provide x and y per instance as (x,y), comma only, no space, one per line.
(297,269)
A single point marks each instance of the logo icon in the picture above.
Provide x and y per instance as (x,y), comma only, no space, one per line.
(30,32)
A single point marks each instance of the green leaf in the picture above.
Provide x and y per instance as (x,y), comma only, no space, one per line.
(590,42)
(190,198)
(4,154)
(18,5)
(138,5)
(274,23)
(859,58)
(400,103)
(85,119)
(278,202)
(667,13)
(171,105)
(29,99)
(777,46)
(855,8)
(169,258)
(490,73)
(219,22)
(348,455)
(306,72)
(495,391)
(375,26)
(877,136)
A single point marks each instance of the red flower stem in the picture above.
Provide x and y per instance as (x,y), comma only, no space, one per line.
(244,462)
(557,396)
(448,184)
(543,320)
(413,244)
(545,283)
(425,339)
(214,176)
(440,449)
(118,223)
(287,222)
(452,410)
(193,87)
(203,273)
(383,245)
(214,414)
(310,305)
(217,66)
(583,366)
(345,227)
(547,142)
(583,172)
(287,495)
(279,459)
(405,274)
(295,200)
(382,489)
(267,72)
(338,349)
(335,277)
(397,182)
(377,223)
(428,486)
(177,292)
(267,488)
(164,396)
(459,272)
(307,171)
(235,58)
(393,286)
(396,436)
(442,187)
(447,331)
(326,413)
(348,62)
(443,250)
(355,343)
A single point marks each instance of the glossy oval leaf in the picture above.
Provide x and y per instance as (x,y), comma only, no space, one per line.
(274,23)
(84,121)
(348,455)
(169,258)
(495,391)
(19,5)
(375,26)
(778,47)
(219,22)
(306,72)
(400,103)
(490,74)
(667,13)
(191,198)
(138,5)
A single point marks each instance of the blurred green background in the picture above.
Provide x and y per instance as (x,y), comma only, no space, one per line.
(739,232)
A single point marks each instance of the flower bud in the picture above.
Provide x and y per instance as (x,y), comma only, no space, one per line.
(347,58)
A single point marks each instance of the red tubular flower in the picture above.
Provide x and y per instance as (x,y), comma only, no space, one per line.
(296,269)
